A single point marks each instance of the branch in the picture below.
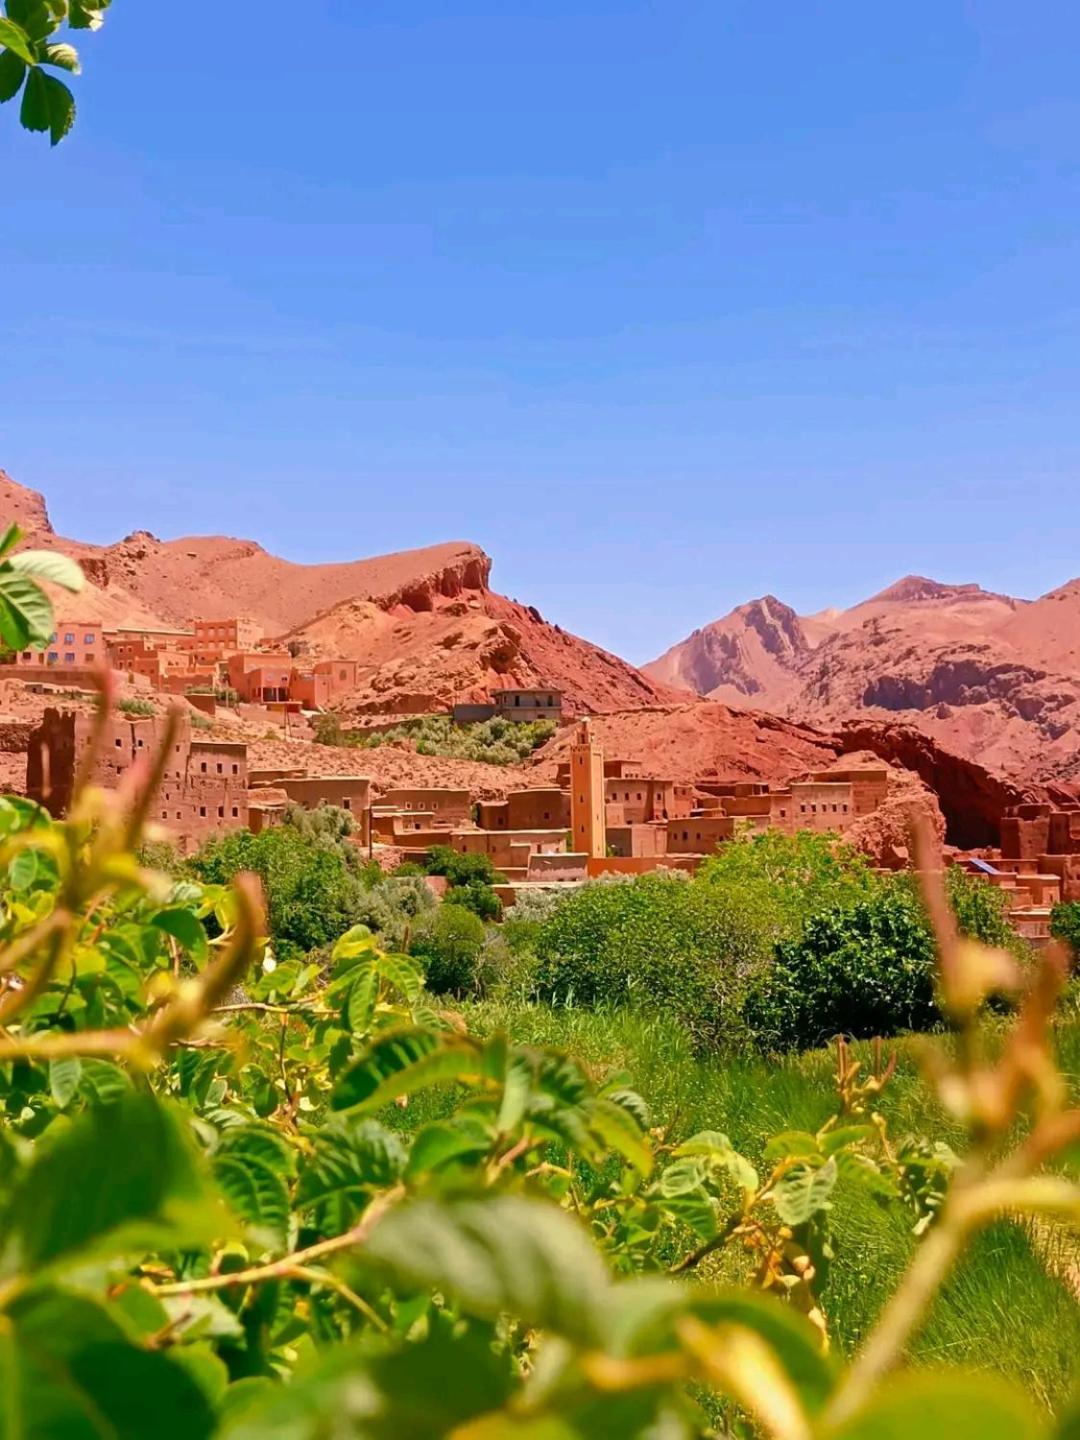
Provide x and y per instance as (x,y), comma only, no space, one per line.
(298,1260)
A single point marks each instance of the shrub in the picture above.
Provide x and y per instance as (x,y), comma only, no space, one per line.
(461,869)
(311,895)
(1065,926)
(449,942)
(491,742)
(788,878)
(656,939)
(480,899)
(143,708)
(863,971)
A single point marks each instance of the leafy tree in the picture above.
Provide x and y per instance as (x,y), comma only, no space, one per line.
(657,939)
(311,895)
(789,878)
(1065,925)
(33,43)
(864,971)
(461,869)
(449,942)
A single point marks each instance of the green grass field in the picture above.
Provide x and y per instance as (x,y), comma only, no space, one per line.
(1001,1310)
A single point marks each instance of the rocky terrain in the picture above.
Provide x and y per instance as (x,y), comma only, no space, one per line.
(987,676)
(424,624)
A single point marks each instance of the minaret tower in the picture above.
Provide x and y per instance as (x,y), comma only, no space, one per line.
(587,812)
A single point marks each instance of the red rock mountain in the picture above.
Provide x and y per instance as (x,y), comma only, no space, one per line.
(424,624)
(987,676)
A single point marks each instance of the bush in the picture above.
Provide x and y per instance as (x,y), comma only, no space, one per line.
(461,869)
(789,878)
(864,971)
(1065,926)
(480,899)
(657,939)
(312,897)
(491,742)
(449,942)
(142,708)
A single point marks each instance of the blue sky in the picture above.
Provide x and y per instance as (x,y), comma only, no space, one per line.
(666,304)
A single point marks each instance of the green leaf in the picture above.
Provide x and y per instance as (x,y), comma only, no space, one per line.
(424,1391)
(137,1182)
(961,1407)
(10,538)
(184,926)
(257,1193)
(264,1143)
(47,565)
(804,1191)
(355,942)
(14,38)
(12,75)
(681,1177)
(791,1144)
(102,1082)
(446,1140)
(49,105)
(845,1135)
(404,973)
(23,870)
(643,1315)
(76,1376)
(503,1254)
(359,1005)
(352,1156)
(64,1077)
(26,612)
(65,57)
(87,14)
(401,1062)
(617,1128)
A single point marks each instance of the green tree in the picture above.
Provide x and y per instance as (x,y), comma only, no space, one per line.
(1065,926)
(449,941)
(33,43)
(311,895)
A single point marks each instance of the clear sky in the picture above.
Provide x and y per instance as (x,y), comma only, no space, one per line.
(666,304)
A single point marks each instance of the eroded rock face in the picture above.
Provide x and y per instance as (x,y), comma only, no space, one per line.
(972,799)
(985,675)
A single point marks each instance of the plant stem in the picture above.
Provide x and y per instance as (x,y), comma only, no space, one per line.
(299,1259)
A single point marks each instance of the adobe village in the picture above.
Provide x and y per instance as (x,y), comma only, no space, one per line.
(304,686)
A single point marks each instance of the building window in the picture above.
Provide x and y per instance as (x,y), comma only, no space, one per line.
(53,657)
(202,767)
(178,815)
(69,639)
(221,812)
(202,811)
(235,812)
(236,769)
(69,657)
(28,655)
(347,803)
(118,742)
(89,656)
(89,640)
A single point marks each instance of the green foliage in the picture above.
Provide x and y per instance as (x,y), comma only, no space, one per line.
(786,879)
(31,46)
(469,880)
(1065,926)
(654,940)
(449,941)
(312,896)
(864,971)
(26,612)
(313,1205)
(489,742)
(136,706)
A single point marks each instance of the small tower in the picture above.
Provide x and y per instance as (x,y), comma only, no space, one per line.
(587,813)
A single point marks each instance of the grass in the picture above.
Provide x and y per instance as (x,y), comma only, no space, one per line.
(1000,1311)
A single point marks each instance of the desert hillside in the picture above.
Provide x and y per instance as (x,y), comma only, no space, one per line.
(988,676)
(423,624)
